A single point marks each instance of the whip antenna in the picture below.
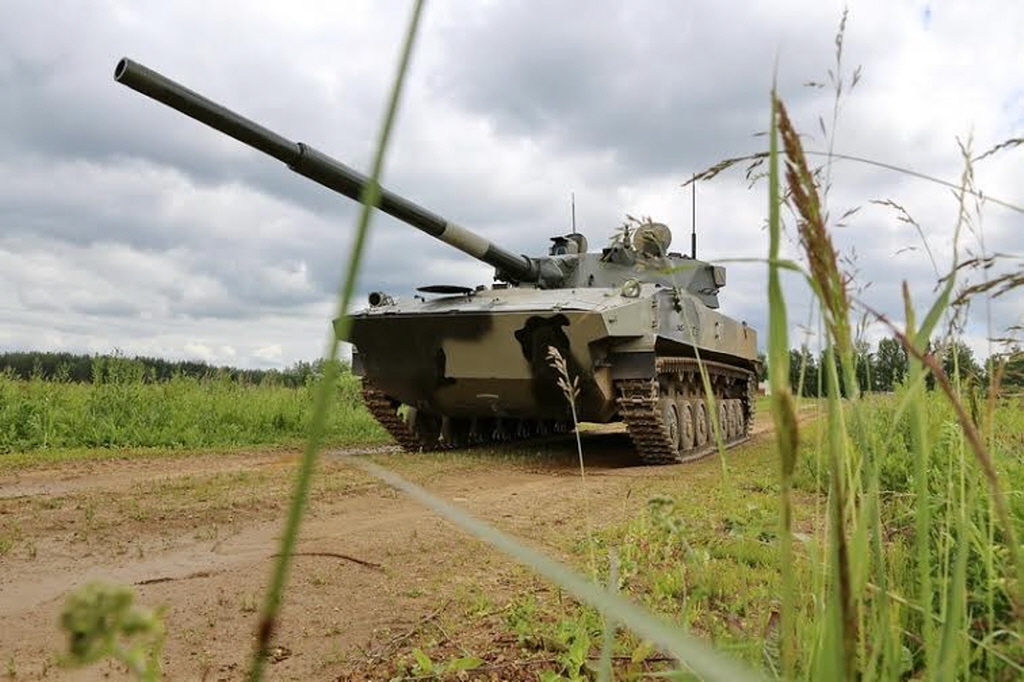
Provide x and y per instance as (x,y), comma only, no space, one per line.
(693,218)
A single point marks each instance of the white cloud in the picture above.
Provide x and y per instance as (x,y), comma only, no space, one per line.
(271,353)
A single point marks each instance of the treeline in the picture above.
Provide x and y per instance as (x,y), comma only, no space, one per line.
(115,367)
(884,368)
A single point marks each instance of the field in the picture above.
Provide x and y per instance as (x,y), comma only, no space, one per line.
(122,408)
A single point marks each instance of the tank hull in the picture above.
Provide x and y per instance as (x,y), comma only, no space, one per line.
(487,354)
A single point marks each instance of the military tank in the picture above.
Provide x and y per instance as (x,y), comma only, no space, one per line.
(453,366)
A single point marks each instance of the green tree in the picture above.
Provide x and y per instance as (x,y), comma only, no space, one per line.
(803,360)
(890,365)
(957,354)
(1013,370)
(865,367)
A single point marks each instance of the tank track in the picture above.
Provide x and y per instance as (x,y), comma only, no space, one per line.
(642,406)
(385,411)
(429,432)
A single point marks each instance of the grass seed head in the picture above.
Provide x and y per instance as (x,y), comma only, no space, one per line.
(822,258)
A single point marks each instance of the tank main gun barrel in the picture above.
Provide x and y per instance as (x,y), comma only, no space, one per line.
(321,168)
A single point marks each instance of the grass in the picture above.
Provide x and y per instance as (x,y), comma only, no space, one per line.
(62,421)
(696,557)
(702,551)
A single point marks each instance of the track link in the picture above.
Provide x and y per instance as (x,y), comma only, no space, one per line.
(432,432)
(642,408)
(385,410)
(641,403)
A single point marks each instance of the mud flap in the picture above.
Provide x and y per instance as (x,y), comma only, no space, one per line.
(638,365)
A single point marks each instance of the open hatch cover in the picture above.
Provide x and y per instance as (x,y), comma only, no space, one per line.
(445,289)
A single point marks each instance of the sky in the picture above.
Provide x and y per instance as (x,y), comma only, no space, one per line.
(126,226)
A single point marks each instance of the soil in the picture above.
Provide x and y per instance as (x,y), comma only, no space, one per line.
(196,537)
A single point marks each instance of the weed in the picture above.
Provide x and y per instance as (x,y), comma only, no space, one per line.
(41,419)
(249,604)
(424,666)
(102,622)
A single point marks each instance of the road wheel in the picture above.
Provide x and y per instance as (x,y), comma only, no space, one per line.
(687,436)
(723,419)
(425,426)
(735,418)
(454,432)
(700,422)
(670,418)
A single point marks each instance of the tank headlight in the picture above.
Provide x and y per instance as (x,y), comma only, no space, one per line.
(379,298)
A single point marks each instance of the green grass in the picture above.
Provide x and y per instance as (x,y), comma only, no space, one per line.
(704,554)
(53,420)
(695,556)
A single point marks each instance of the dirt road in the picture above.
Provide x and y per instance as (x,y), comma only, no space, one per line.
(196,536)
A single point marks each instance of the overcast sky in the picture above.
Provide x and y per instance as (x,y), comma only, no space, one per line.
(124,225)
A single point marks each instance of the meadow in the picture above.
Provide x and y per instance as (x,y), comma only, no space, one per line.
(122,407)
(705,556)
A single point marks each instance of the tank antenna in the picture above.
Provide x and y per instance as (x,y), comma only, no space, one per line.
(693,218)
(572,200)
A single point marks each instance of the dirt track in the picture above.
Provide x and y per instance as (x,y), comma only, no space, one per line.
(196,535)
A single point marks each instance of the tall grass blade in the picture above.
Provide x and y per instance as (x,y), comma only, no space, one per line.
(783,408)
(952,640)
(920,446)
(289,538)
(604,671)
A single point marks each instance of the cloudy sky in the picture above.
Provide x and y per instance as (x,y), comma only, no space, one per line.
(125,225)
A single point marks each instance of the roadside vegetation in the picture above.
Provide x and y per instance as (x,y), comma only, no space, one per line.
(704,554)
(125,405)
(886,366)
(82,368)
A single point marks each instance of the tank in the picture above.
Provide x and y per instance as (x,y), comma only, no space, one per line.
(453,366)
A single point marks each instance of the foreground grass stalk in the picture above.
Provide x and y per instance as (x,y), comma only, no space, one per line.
(322,400)
(605,672)
(842,662)
(570,387)
(782,406)
(709,397)
(838,656)
(919,443)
